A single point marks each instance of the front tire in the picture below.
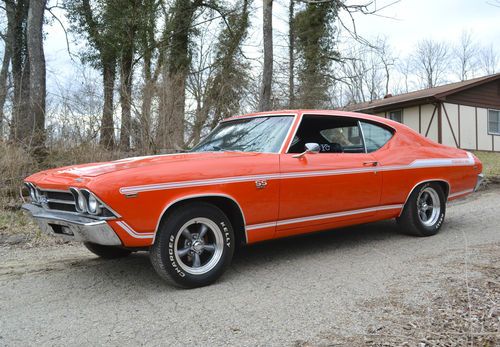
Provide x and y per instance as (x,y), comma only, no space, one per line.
(107,252)
(424,212)
(193,246)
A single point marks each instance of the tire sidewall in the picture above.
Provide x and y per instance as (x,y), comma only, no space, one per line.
(166,244)
(433,229)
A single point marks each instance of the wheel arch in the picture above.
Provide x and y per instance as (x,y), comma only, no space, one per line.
(442,182)
(231,208)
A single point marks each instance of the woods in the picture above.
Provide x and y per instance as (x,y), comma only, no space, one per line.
(169,71)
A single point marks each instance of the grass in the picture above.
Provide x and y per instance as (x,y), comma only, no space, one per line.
(491,164)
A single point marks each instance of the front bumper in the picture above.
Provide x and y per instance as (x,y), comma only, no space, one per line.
(480,179)
(73,227)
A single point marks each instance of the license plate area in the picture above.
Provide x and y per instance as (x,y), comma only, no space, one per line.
(61,229)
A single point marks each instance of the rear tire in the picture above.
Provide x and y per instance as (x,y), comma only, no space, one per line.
(193,246)
(107,252)
(424,212)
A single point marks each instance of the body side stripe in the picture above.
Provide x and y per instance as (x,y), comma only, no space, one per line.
(417,164)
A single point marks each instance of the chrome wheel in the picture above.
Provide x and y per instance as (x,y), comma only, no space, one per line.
(198,246)
(428,206)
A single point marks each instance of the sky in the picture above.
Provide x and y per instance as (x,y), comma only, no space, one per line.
(403,24)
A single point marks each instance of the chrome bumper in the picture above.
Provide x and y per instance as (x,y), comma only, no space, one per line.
(73,227)
(480,179)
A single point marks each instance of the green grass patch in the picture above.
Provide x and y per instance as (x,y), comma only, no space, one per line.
(491,163)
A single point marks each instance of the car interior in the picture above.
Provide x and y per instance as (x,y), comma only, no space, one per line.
(333,134)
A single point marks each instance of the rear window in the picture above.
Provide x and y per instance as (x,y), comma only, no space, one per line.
(375,136)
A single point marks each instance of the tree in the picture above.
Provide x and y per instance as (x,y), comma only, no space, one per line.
(431,61)
(17,16)
(37,69)
(227,82)
(291,54)
(98,24)
(465,56)
(267,73)
(488,60)
(314,30)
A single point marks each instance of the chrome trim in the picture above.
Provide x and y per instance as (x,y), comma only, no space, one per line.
(293,135)
(128,229)
(208,195)
(426,181)
(460,193)
(59,201)
(480,179)
(324,216)
(363,135)
(83,229)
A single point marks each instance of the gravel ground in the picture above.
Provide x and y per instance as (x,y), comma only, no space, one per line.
(366,285)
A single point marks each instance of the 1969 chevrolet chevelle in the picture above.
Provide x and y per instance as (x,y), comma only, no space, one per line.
(255,177)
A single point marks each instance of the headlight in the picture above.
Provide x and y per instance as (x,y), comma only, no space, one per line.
(81,203)
(93,204)
(33,193)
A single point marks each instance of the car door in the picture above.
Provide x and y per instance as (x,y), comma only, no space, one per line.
(338,183)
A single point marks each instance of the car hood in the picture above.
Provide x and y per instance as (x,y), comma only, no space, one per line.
(98,169)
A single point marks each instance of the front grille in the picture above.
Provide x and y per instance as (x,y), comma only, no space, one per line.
(59,200)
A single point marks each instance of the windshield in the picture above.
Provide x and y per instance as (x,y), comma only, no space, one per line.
(258,134)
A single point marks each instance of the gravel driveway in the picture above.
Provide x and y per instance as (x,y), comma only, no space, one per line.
(338,287)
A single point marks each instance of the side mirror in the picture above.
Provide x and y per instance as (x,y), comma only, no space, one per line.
(311,148)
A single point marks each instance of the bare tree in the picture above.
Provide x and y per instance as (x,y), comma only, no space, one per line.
(37,69)
(267,74)
(465,56)
(291,55)
(488,60)
(431,61)
(4,76)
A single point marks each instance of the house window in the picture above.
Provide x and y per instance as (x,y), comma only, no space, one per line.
(396,115)
(494,122)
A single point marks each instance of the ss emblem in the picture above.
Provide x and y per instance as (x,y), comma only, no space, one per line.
(261,184)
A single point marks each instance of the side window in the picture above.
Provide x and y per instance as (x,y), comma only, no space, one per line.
(375,136)
(333,134)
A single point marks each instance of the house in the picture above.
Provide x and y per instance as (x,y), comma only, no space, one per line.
(463,114)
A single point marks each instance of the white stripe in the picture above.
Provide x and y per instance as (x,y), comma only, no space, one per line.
(133,233)
(417,164)
(323,216)
(463,192)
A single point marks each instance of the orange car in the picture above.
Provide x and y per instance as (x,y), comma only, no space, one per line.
(253,178)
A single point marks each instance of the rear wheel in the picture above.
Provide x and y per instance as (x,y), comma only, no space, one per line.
(424,212)
(107,252)
(193,246)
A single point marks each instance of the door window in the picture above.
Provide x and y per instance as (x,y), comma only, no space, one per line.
(333,134)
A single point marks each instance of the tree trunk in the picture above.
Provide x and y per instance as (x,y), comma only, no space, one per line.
(37,72)
(291,56)
(125,96)
(17,14)
(170,135)
(267,74)
(107,125)
(4,75)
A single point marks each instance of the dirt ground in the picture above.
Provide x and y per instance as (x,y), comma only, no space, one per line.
(362,286)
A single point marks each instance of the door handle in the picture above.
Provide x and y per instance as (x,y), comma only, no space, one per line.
(370,163)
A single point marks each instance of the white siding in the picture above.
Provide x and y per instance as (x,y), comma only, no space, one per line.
(483,138)
(427,111)
(468,127)
(410,117)
(447,132)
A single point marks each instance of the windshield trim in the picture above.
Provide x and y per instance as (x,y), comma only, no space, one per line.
(285,139)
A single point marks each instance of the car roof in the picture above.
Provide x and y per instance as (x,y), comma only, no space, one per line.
(378,119)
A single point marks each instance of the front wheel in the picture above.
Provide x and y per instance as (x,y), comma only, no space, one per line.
(424,212)
(194,245)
